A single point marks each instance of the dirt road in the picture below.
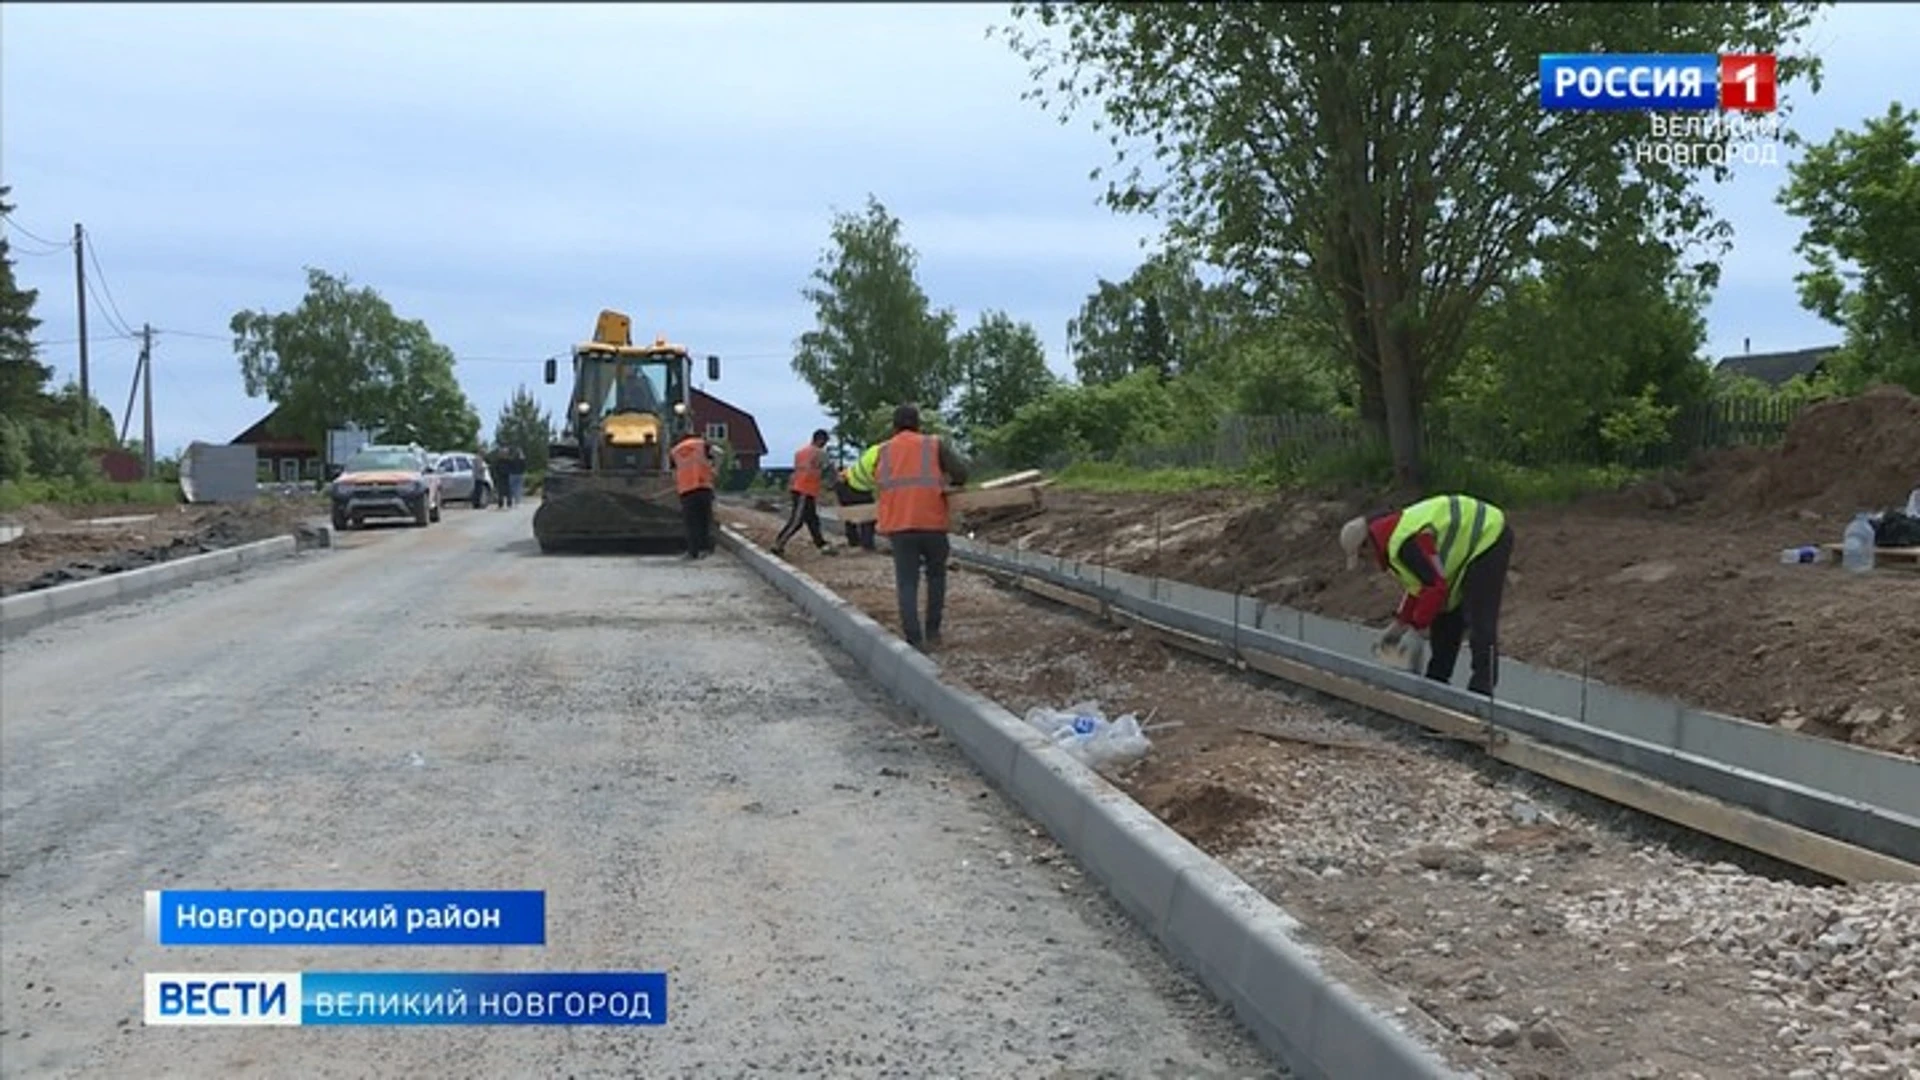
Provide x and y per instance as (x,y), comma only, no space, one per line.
(699,781)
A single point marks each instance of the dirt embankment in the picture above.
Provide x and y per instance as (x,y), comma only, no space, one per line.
(63,544)
(1673,587)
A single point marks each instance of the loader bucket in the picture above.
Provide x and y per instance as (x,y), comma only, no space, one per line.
(609,513)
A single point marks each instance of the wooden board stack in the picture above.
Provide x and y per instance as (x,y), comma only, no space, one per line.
(1018,494)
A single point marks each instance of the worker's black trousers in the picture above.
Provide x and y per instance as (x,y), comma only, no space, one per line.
(696,509)
(1477,619)
(860,535)
(805,512)
(911,551)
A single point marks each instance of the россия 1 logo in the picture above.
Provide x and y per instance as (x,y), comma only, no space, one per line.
(1726,103)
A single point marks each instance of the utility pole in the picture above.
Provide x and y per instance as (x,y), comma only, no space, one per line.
(80,295)
(146,365)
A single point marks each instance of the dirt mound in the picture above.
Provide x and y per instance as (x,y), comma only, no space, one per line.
(1839,457)
(1210,815)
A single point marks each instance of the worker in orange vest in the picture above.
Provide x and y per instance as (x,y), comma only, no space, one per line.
(912,477)
(812,469)
(694,469)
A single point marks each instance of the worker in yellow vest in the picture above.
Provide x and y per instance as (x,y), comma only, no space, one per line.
(1450,553)
(913,474)
(856,488)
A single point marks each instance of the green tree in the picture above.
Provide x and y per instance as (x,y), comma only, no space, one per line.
(1387,160)
(1859,195)
(343,356)
(23,379)
(876,340)
(524,424)
(1152,344)
(1598,329)
(1001,365)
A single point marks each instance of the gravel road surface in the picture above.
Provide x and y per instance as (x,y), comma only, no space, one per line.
(699,781)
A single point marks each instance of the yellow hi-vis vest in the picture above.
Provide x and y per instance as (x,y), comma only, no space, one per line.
(860,475)
(1463,528)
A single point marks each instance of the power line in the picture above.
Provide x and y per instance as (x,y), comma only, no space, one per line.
(31,235)
(93,254)
(111,313)
(91,338)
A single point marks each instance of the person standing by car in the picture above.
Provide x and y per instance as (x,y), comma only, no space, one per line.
(497,472)
(516,474)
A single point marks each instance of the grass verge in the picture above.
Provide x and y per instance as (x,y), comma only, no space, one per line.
(15,494)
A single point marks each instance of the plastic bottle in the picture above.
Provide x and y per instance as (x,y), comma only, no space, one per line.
(1856,550)
(1805,554)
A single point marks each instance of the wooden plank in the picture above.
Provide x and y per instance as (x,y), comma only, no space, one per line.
(1897,556)
(957,501)
(1013,480)
(1457,725)
(1066,597)
(1788,843)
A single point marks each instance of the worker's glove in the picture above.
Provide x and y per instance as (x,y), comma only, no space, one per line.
(1391,638)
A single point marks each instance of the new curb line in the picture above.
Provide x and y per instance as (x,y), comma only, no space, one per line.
(23,612)
(1304,1003)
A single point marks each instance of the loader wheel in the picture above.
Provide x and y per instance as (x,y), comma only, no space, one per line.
(421,515)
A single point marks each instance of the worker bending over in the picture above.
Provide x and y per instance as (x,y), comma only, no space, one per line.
(1450,553)
(812,470)
(855,488)
(912,476)
(695,466)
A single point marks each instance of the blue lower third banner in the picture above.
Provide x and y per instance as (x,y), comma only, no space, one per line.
(386,998)
(349,917)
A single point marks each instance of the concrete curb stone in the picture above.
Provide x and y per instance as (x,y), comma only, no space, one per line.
(23,612)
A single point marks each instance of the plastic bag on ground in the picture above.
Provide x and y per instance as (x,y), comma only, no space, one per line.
(1083,731)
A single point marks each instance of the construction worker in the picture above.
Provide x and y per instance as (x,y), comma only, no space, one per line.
(694,471)
(1450,553)
(497,472)
(856,489)
(912,474)
(812,470)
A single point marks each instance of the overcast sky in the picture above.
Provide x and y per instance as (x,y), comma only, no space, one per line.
(504,172)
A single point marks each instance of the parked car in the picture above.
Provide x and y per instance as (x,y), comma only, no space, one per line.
(464,478)
(383,482)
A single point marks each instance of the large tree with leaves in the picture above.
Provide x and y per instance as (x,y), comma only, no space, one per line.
(344,356)
(877,340)
(1001,365)
(1859,195)
(523,424)
(1391,160)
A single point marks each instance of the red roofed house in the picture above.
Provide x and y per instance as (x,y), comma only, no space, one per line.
(718,420)
(284,458)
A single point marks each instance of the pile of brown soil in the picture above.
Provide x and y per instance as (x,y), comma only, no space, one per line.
(1839,457)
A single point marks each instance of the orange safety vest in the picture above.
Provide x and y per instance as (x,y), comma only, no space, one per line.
(912,489)
(691,469)
(808,463)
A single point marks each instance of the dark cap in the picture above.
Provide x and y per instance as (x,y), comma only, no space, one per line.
(820,435)
(906,418)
